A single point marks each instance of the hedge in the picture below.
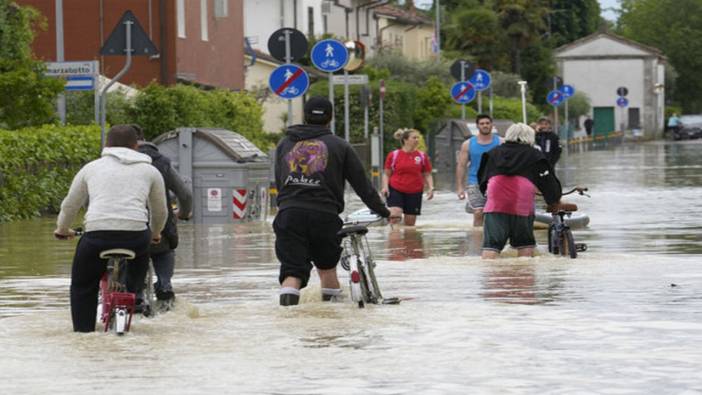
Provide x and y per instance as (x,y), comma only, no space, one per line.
(38,164)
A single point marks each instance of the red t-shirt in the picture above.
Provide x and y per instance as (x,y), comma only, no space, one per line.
(407,173)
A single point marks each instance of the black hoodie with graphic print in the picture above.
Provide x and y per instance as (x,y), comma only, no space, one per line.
(311,168)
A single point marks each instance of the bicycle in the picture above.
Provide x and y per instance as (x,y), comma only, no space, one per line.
(560,236)
(357,259)
(116,306)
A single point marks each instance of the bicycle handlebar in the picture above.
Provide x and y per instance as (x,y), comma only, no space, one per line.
(580,190)
(76,232)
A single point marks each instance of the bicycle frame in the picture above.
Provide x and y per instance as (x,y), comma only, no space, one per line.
(117,306)
(560,236)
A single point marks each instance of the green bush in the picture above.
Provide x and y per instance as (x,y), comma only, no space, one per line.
(80,108)
(38,164)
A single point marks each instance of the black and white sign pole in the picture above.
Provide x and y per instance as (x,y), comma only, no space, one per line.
(365,91)
(522,87)
(288,59)
(480,102)
(103,94)
(331,100)
(490,94)
(61,99)
(555,108)
(346,106)
(381,118)
(463,79)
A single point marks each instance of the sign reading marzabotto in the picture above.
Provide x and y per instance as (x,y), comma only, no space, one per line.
(61,69)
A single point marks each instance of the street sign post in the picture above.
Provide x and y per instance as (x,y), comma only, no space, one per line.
(382,114)
(622,91)
(554,98)
(567,91)
(330,56)
(129,39)
(80,83)
(78,75)
(289,81)
(481,80)
(463,92)
(622,101)
(522,89)
(460,69)
(287,45)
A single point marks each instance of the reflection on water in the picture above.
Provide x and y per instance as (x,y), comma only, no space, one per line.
(608,322)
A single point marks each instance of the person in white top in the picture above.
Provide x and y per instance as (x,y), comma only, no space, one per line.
(126,208)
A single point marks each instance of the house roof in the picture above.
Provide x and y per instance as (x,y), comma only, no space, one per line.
(402,15)
(592,37)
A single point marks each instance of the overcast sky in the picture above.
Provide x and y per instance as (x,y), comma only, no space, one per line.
(603,4)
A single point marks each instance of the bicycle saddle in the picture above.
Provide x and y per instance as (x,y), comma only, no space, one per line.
(117,253)
(357,229)
(567,207)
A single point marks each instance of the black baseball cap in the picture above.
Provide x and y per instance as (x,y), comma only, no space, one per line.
(318,110)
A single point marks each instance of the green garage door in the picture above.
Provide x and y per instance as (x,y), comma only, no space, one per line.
(604,120)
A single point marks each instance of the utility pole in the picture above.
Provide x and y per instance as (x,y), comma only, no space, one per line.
(61,101)
(438,29)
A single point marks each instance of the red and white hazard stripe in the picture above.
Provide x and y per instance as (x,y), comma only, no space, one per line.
(238,203)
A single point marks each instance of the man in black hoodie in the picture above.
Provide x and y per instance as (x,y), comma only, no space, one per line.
(509,176)
(163,253)
(311,168)
(548,141)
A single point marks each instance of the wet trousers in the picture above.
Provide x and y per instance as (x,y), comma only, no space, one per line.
(164,265)
(88,268)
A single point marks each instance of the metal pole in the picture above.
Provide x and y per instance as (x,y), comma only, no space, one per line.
(365,113)
(567,125)
(61,99)
(96,91)
(522,86)
(463,79)
(103,95)
(346,106)
(331,100)
(438,30)
(288,59)
(490,93)
(381,118)
(480,102)
(555,116)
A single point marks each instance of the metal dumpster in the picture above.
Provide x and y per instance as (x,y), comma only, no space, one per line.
(228,174)
(447,144)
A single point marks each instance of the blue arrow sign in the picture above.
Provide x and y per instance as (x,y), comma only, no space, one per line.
(567,91)
(555,98)
(622,101)
(480,79)
(463,92)
(329,55)
(289,81)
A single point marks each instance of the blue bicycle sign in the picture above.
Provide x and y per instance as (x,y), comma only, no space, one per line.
(289,81)
(329,55)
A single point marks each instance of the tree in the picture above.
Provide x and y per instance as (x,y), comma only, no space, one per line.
(675,27)
(476,30)
(26,95)
(523,22)
(570,20)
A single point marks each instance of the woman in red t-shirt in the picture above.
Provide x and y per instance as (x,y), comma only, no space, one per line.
(407,170)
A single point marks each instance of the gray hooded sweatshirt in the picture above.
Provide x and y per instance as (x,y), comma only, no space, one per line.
(125,193)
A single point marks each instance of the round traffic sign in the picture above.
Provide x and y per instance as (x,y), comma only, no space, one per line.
(567,91)
(622,101)
(554,98)
(289,81)
(465,65)
(622,91)
(329,55)
(463,92)
(298,44)
(480,79)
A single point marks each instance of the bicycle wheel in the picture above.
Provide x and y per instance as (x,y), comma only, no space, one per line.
(568,244)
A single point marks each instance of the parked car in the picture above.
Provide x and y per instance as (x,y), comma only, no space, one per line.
(691,128)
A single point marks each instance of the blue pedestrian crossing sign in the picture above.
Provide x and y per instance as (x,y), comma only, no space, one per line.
(567,91)
(555,98)
(480,79)
(289,81)
(463,92)
(622,101)
(329,55)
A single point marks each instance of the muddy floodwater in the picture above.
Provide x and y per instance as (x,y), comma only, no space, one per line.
(623,318)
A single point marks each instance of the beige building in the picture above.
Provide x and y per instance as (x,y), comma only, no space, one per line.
(408,31)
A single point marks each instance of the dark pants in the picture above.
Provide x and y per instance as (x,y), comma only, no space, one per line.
(88,268)
(164,265)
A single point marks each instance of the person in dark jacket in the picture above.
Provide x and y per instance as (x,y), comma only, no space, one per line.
(548,141)
(509,175)
(311,168)
(163,253)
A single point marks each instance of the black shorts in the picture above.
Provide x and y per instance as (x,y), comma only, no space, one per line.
(498,228)
(304,237)
(411,203)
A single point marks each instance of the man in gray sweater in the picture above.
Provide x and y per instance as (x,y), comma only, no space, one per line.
(127,210)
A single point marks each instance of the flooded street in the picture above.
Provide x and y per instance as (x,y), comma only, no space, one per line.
(625,317)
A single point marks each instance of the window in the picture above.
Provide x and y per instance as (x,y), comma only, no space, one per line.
(203,20)
(310,21)
(180,15)
(221,8)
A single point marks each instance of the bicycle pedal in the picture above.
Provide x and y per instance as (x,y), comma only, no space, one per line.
(580,247)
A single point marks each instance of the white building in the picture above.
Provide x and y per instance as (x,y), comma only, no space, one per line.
(601,63)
